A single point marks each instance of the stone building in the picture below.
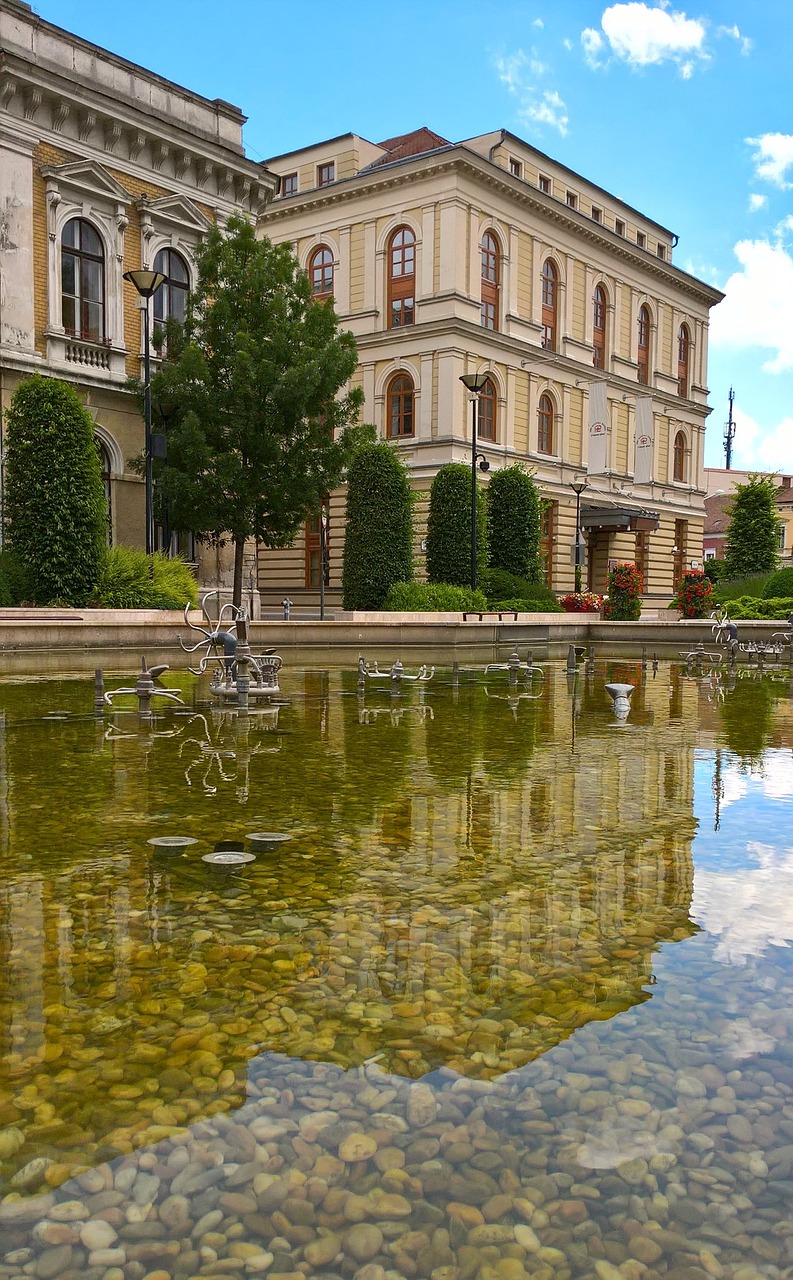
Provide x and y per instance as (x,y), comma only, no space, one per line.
(487,256)
(104,167)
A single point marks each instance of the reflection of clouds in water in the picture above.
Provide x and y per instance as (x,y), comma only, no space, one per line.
(773,777)
(777,779)
(734,786)
(608,1146)
(750,910)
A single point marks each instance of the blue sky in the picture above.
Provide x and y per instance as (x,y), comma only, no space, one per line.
(684,111)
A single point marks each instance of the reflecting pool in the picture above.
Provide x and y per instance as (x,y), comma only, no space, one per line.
(515,998)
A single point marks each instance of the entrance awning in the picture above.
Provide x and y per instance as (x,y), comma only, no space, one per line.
(619,519)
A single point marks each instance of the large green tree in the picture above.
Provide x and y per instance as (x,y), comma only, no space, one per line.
(513,523)
(378,539)
(250,397)
(753,531)
(56,518)
(449,527)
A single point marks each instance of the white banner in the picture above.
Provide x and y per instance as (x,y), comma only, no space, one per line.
(643,459)
(598,429)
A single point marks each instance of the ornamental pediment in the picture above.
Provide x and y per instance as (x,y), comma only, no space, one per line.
(176,210)
(87,177)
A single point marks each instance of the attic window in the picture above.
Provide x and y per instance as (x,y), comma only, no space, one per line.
(641,240)
(326,173)
(619,227)
(572,199)
(544,183)
(515,167)
(597,214)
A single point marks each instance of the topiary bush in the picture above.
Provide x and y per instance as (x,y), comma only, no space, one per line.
(132,580)
(624,599)
(14,580)
(779,584)
(433,597)
(378,540)
(449,527)
(535,597)
(513,524)
(54,498)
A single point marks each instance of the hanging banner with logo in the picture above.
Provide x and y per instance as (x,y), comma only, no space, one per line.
(598,429)
(643,459)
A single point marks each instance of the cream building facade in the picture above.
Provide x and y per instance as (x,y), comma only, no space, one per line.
(487,256)
(104,167)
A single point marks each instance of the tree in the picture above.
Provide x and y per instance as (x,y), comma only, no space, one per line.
(249,397)
(753,531)
(449,527)
(378,541)
(54,497)
(513,523)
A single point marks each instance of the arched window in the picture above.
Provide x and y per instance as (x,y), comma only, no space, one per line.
(643,354)
(170,300)
(683,348)
(545,425)
(82,281)
(550,299)
(320,273)
(679,457)
(401,278)
(491,278)
(400,401)
(599,328)
(487,414)
(106,471)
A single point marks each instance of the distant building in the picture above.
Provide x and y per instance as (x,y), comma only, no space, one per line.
(721,485)
(446,258)
(104,167)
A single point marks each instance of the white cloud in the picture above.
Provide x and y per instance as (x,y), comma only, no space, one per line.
(756,449)
(750,910)
(773,157)
(757,202)
(510,69)
(568,44)
(538,22)
(549,109)
(537,106)
(756,310)
(644,35)
(735,33)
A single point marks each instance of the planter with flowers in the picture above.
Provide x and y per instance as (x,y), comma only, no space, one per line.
(695,594)
(581,602)
(624,601)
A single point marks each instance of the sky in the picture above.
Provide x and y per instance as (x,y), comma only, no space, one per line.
(683,111)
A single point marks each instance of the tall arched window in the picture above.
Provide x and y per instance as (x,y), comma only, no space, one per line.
(491,278)
(643,353)
(599,328)
(683,348)
(545,425)
(679,457)
(487,413)
(401,403)
(106,471)
(82,281)
(550,300)
(170,300)
(320,273)
(401,278)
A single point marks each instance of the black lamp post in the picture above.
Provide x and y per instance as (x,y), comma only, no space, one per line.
(475,382)
(578,487)
(147,283)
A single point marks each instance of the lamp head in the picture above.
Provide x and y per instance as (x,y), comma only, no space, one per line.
(474,382)
(484,465)
(578,486)
(146,282)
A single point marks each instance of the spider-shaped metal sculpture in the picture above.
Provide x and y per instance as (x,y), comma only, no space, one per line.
(216,640)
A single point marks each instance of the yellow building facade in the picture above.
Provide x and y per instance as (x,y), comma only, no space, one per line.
(105,167)
(446,259)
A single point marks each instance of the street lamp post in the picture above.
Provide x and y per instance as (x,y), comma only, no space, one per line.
(578,487)
(474,383)
(147,283)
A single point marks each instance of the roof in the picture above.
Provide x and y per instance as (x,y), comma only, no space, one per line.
(717,512)
(410,144)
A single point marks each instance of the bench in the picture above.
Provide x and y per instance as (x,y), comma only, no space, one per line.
(481,614)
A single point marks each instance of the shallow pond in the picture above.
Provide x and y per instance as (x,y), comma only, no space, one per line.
(515,998)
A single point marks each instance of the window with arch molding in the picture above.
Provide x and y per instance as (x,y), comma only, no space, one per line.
(683,352)
(82,281)
(679,457)
(491,279)
(320,273)
(599,328)
(545,417)
(487,413)
(401,406)
(550,304)
(401,278)
(643,350)
(170,300)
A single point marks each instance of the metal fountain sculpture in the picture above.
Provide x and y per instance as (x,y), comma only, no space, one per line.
(236,673)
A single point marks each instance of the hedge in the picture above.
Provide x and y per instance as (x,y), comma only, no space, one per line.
(449,527)
(378,541)
(513,524)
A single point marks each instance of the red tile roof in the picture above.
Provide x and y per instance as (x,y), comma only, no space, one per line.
(410,144)
(717,512)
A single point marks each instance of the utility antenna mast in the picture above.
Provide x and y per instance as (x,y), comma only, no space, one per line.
(729,433)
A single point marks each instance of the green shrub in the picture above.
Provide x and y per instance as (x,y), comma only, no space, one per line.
(432,597)
(14,580)
(449,527)
(779,584)
(735,588)
(752,544)
(378,540)
(714,570)
(130,580)
(513,523)
(750,607)
(535,597)
(54,498)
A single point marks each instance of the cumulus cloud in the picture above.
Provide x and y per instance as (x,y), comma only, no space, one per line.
(759,449)
(536,106)
(756,310)
(773,157)
(644,35)
(757,202)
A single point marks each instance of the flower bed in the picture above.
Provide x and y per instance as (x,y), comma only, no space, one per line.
(581,602)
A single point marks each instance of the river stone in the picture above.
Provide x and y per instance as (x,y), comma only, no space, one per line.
(363,1241)
(51,1262)
(97,1234)
(322,1251)
(422,1106)
(357,1146)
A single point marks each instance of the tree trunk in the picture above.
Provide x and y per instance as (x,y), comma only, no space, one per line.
(239,553)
